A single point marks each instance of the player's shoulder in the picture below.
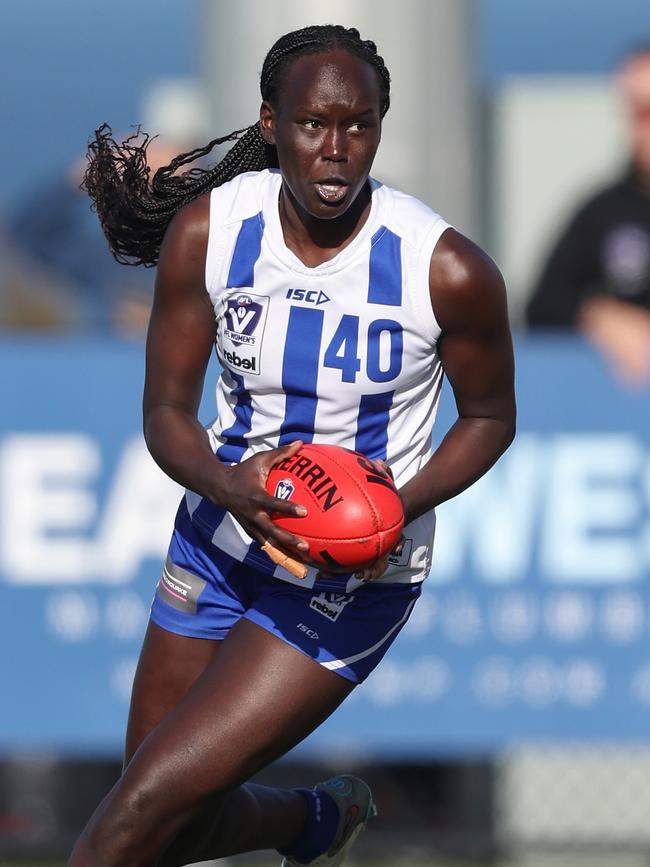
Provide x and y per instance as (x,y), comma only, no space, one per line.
(462,275)
(407,216)
(187,233)
(243,196)
(233,201)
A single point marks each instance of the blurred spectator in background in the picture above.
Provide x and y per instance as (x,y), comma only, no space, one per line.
(597,278)
(55,233)
(30,300)
(56,271)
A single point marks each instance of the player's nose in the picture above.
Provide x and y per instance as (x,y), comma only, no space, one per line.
(335,145)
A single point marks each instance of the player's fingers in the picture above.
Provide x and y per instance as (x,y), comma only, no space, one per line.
(399,546)
(382,466)
(375,571)
(367,575)
(277,536)
(261,528)
(281,453)
(285,507)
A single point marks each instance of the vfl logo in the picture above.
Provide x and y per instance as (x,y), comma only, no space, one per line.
(242,318)
(310,296)
(241,331)
(329,604)
(284,489)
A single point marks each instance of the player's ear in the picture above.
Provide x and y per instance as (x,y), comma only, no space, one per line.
(267,122)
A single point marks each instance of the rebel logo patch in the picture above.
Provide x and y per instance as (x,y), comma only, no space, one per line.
(330,605)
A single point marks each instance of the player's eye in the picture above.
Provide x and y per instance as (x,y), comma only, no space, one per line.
(311,124)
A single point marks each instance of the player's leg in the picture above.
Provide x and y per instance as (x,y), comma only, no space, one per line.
(347,633)
(256,699)
(169,665)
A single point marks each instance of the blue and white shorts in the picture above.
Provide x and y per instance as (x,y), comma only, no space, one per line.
(203,592)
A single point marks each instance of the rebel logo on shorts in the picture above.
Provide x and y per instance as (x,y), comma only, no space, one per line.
(242,318)
(284,489)
(330,604)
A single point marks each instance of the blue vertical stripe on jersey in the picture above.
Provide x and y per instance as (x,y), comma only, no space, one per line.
(300,374)
(372,424)
(232,450)
(247,252)
(241,275)
(385,278)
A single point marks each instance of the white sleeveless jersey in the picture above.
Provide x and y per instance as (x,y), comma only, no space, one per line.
(343,353)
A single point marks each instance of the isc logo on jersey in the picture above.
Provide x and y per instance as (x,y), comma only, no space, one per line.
(329,604)
(309,296)
(242,329)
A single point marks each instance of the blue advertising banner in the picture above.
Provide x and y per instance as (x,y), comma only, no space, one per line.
(534,623)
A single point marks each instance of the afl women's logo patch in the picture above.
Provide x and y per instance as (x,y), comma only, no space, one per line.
(242,318)
(284,489)
(241,331)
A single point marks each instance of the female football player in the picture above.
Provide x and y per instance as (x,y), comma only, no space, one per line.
(238,666)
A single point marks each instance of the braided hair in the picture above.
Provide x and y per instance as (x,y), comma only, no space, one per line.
(134,212)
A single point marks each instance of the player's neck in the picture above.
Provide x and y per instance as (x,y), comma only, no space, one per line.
(316,241)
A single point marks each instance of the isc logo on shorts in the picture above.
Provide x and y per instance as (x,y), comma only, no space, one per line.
(329,604)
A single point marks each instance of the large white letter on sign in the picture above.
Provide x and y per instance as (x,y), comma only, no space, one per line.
(46,507)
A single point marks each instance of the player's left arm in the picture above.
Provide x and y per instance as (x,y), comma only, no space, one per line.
(469,301)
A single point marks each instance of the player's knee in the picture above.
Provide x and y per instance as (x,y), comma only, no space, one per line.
(124,833)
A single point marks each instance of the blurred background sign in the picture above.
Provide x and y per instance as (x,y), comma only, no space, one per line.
(516,701)
(533,624)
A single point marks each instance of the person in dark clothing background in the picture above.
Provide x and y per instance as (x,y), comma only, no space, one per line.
(597,277)
(54,232)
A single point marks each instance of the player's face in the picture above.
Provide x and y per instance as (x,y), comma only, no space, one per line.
(326,130)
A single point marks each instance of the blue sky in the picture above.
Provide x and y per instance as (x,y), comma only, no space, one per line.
(61,72)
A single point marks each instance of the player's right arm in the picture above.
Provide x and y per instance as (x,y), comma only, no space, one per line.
(180,339)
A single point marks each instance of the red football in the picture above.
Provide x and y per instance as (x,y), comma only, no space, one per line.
(354,513)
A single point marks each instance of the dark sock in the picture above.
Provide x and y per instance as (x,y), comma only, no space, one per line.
(319,830)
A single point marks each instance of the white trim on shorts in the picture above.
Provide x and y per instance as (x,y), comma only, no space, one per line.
(335,664)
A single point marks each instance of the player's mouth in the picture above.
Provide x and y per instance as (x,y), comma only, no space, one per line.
(332,190)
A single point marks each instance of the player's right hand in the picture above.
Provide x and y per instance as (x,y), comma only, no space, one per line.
(242,491)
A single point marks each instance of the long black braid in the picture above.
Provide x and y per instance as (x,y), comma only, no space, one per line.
(135,212)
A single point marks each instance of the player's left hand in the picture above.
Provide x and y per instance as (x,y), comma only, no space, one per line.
(370,573)
(377,569)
